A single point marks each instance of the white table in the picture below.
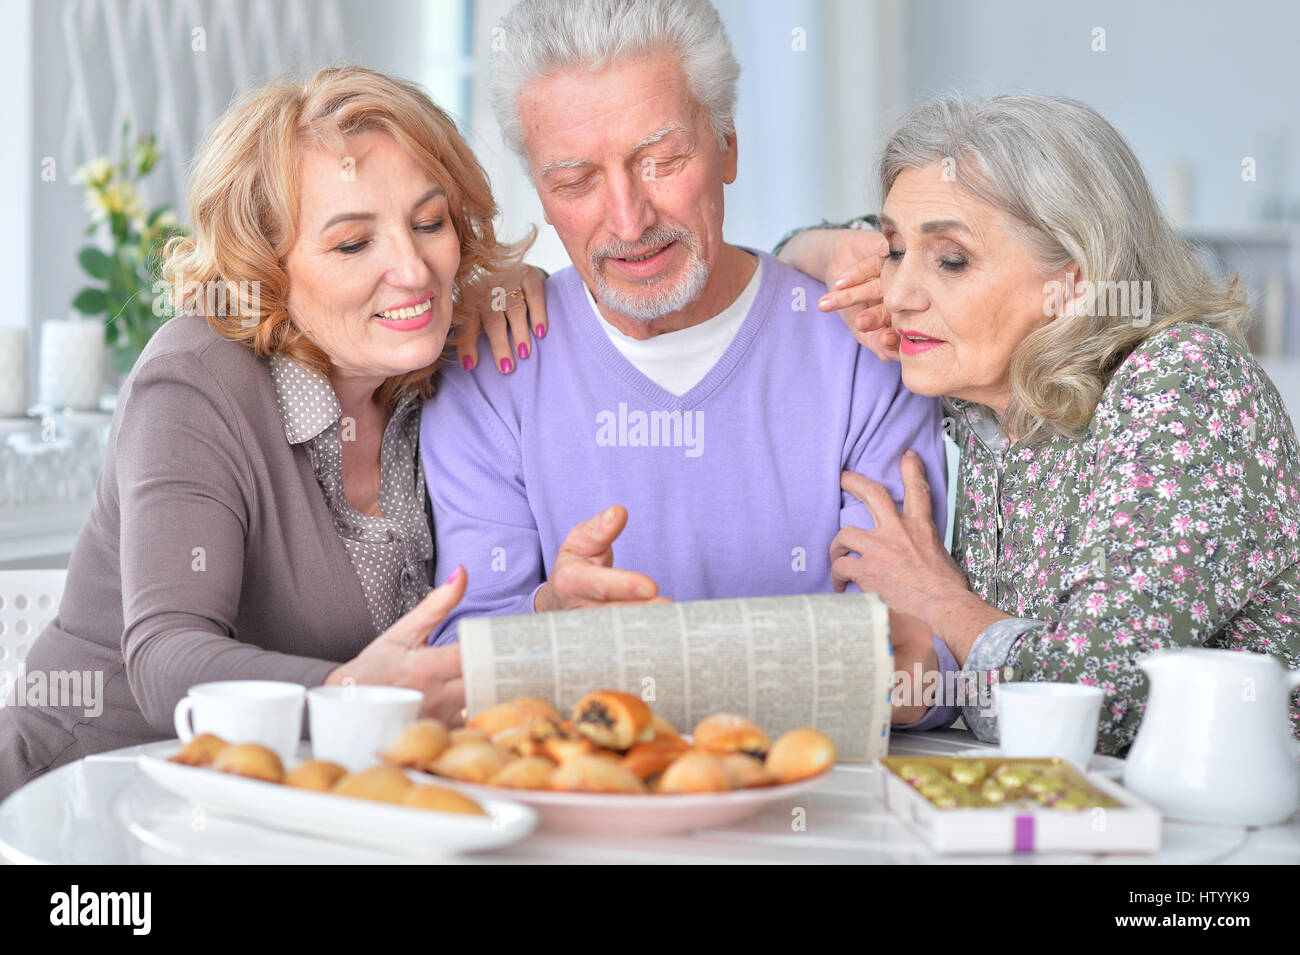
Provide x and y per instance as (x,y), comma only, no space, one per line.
(104,810)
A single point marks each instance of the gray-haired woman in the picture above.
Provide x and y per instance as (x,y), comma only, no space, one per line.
(1129,477)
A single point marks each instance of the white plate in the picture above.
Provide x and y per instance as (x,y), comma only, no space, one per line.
(339,818)
(628,813)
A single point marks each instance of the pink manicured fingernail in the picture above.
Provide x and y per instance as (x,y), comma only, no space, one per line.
(455,576)
(522,349)
(540,331)
(507,366)
(468,363)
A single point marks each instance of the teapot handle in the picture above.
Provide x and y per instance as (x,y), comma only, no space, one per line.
(1293,678)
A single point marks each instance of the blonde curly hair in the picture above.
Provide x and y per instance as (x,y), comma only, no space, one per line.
(243,203)
(1077,193)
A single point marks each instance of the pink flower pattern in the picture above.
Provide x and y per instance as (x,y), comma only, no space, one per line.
(1173,520)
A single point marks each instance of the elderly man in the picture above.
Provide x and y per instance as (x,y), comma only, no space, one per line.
(685,394)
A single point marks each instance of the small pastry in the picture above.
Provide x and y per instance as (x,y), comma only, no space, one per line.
(532,773)
(731,733)
(561,749)
(663,729)
(613,720)
(471,762)
(200,751)
(518,712)
(315,774)
(518,740)
(463,735)
(251,760)
(650,759)
(800,754)
(418,745)
(697,771)
(595,774)
(441,799)
(544,728)
(747,771)
(378,784)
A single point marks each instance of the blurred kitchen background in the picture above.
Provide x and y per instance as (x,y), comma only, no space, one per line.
(1206,92)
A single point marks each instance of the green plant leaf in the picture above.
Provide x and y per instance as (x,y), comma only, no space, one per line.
(95,262)
(91,301)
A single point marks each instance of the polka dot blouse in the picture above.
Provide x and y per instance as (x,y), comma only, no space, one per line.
(392,555)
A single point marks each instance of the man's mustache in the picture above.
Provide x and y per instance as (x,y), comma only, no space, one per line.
(651,239)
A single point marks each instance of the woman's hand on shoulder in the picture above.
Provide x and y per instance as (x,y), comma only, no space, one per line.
(400,656)
(513,304)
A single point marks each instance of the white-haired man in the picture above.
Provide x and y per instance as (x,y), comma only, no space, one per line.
(682,394)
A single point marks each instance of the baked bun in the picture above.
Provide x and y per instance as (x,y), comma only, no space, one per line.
(471,762)
(724,733)
(612,719)
(663,729)
(532,773)
(561,749)
(378,784)
(518,712)
(441,799)
(518,741)
(200,751)
(696,771)
(463,735)
(747,771)
(800,754)
(418,745)
(251,760)
(651,759)
(595,774)
(315,774)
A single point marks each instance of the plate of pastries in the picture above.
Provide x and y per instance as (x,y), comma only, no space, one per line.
(612,765)
(381,805)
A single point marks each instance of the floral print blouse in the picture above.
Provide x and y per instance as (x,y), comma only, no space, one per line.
(1174,520)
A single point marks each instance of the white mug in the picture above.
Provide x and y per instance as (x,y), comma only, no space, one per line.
(1049,720)
(351,724)
(244,711)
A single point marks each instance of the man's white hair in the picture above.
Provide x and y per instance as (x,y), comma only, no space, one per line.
(542,37)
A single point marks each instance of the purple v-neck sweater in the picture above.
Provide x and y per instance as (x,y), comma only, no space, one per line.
(732,489)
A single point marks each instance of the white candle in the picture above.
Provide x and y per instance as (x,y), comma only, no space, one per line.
(72,364)
(13,372)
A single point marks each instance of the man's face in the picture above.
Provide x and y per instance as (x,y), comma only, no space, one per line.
(630,173)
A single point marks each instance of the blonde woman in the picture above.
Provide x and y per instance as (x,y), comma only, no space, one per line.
(1129,478)
(262,511)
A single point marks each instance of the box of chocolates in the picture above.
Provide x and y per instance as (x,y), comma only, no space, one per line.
(996,805)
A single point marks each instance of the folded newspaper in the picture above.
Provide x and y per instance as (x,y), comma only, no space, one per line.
(820,660)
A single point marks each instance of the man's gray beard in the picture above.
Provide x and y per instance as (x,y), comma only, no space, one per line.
(660,302)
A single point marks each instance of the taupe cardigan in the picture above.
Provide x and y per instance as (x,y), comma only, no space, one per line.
(209,554)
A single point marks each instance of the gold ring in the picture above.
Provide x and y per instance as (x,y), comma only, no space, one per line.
(513,293)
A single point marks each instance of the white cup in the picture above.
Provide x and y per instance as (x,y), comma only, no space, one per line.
(244,711)
(1049,720)
(350,725)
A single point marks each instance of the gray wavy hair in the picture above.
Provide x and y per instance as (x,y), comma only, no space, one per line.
(1077,193)
(542,37)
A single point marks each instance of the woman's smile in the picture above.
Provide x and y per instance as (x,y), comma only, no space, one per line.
(409,316)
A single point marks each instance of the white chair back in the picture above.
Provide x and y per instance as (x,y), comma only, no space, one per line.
(29,599)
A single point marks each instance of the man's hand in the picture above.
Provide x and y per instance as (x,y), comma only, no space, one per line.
(848,262)
(853,262)
(584,574)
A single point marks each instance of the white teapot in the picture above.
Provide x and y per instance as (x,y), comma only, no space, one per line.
(1214,744)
